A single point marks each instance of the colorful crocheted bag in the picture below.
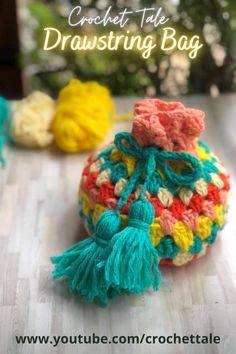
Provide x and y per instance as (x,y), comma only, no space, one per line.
(155,196)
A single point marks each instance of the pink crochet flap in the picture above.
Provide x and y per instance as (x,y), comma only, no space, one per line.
(169,125)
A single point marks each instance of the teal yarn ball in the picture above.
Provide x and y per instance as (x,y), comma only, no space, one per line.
(4,109)
(4,126)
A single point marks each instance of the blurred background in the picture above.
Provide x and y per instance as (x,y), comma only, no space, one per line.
(25,66)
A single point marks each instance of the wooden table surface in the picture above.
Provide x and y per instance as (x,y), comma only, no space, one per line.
(39,218)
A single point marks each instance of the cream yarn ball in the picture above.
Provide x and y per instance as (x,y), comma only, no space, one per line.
(31,120)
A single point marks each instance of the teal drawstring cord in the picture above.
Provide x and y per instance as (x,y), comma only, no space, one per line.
(128,145)
(4,127)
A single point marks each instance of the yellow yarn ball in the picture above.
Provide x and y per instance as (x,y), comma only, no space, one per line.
(82,116)
(31,120)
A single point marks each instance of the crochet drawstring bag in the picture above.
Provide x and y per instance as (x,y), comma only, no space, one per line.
(157,195)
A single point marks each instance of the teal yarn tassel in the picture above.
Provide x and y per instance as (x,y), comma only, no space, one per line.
(4,127)
(83,264)
(133,261)
(79,263)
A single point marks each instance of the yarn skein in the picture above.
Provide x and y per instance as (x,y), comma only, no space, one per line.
(84,114)
(4,127)
(31,120)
